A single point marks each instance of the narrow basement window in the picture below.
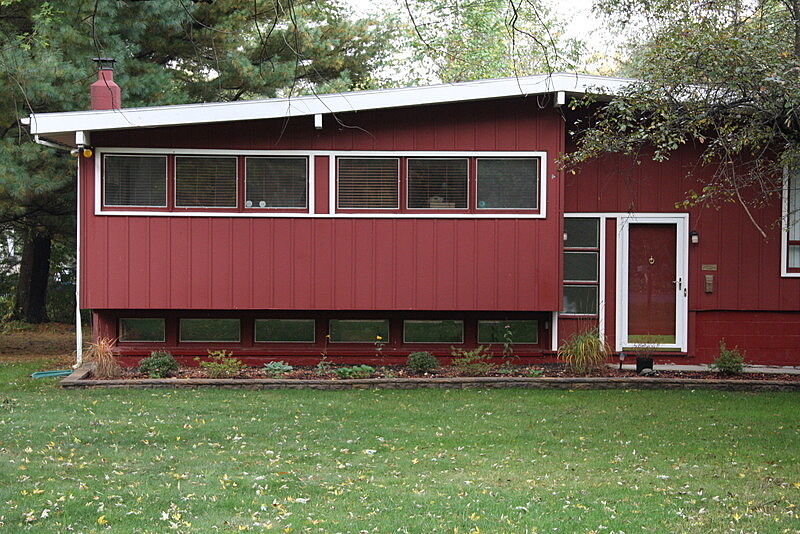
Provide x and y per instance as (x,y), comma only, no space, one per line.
(358,330)
(210,330)
(285,330)
(521,331)
(445,331)
(141,329)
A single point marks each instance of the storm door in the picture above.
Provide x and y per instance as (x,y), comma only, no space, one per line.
(654,292)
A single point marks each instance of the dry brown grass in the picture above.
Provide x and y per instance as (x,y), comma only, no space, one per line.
(101,352)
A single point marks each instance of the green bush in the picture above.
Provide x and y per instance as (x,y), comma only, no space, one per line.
(584,351)
(356,371)
(421,362)
(473,362)
(276,369)
(221,364)
(160,364)
(729,361)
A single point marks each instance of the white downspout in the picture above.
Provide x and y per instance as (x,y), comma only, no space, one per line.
(78,325)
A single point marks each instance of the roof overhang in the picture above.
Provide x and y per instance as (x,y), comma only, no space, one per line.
(62,127)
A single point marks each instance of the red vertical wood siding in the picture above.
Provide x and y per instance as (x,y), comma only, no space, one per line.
(220,263)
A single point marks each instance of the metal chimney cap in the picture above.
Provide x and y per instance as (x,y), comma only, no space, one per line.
(104,62)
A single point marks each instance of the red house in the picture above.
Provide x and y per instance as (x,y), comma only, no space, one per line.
(430,216)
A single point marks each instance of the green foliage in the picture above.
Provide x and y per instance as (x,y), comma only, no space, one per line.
(533,373)
(729,361)
(276,369)
(221,364)
(475,362)
(421,362)
(356,371)
(160,364)
(721,78)
(584,351)
(323,367)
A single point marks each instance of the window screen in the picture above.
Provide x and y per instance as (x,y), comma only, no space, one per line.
(276,182)
(209,330)
(521,331)
(205,182)
(358,331)
(285,330)
(508,183)
(141,329)
(793,216)
(437,183)
(433,331)
(135,181)
(368,182)
(580,266)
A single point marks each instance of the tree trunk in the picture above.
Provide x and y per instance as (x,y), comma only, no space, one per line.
(34,273)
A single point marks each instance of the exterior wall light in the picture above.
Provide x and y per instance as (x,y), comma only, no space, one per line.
(694,237)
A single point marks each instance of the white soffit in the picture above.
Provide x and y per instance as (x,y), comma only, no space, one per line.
(53,124)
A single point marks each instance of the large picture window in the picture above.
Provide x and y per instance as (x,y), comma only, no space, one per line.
(205,182)
(368,183)
(276,182)
(581,265)
(135,181)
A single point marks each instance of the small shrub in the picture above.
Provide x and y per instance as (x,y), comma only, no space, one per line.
(324,366)
(276,369)
(221,364)
(729,361)
(584,351)
(421,362)
(356,371)
(533,373)
(474,362)
(101,352)
(160,364)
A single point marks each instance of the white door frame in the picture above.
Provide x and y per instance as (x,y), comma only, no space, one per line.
(681,222)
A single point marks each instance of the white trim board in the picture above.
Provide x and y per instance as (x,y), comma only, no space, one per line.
(785,227)
(60,124)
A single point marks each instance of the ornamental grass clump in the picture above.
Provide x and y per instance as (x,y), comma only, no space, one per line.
(101,352)
(421,362)
(584,352)
(160,364)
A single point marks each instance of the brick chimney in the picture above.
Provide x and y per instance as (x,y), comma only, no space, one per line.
(105,93)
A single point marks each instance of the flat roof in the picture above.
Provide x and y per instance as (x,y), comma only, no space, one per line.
(62,126)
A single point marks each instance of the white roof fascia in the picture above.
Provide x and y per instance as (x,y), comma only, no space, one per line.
(126,118)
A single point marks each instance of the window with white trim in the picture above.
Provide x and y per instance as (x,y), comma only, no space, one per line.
(276,182)
(437,183)
(205,182)
(368,183)
(793,223)
(508,183)
(581,265)
(135,181)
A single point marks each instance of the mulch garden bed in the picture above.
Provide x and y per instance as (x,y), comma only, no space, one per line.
(543,376)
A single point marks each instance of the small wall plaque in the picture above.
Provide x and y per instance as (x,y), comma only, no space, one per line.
(709,267)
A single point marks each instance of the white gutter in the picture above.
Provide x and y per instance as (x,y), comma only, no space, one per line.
(78,325)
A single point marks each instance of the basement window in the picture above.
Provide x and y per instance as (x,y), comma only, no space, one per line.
(358,330)
(437,183)
(135,181)
(519,331)
(205,182)
(141,329)
(508,183)
(210,330)
(276,182)
(368,183)
(433,331)
(581,265)
(285,330)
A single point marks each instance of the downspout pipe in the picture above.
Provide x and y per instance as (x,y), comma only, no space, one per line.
(78,325)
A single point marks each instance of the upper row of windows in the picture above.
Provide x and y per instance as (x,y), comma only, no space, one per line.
(281,182)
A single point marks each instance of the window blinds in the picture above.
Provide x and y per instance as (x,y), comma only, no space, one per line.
(205,182)
(276,182)
(437,183)
(368,182)
(135,181)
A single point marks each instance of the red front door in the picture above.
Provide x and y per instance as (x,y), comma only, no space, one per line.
(652,302)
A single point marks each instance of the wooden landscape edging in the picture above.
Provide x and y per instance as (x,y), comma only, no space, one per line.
(80,379)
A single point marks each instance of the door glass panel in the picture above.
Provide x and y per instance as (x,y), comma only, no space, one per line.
(652,300)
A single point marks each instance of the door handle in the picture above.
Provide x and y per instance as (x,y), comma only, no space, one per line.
(678,283)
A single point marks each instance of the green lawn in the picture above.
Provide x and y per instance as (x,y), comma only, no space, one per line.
(395,461)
